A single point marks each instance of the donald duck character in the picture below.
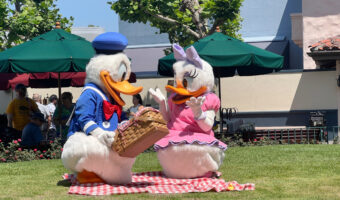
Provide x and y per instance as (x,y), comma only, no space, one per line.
(87,151)
(190,150)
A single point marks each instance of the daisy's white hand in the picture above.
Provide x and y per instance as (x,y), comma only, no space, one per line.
(195,104)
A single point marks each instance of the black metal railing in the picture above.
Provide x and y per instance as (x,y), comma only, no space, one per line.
(310,135)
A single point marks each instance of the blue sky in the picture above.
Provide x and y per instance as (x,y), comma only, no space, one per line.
(86,12)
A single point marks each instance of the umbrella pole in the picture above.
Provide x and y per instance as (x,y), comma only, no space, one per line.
(220,110)
(59,106)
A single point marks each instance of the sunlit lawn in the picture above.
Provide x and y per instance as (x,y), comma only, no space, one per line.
(279,172)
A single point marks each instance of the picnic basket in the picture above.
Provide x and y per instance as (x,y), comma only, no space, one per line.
(140,132)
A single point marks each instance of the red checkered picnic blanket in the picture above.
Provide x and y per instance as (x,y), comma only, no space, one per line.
(156,183)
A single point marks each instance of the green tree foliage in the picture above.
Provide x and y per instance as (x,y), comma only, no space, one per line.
(21,20)
(185,21)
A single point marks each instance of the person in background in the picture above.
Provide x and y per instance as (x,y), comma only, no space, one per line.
(62,114)
(53,99)
(41,107)
(19,109)
(137,105)
(31,135)
(52,131)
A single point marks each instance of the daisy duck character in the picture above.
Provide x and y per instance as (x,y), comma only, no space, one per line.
(87,151)
(190,149)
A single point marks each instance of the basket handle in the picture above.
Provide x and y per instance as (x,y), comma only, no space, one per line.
(148,119)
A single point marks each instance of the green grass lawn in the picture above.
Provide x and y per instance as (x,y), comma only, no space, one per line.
(279,172)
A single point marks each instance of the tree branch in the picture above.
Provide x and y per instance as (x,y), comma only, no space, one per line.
(172,21)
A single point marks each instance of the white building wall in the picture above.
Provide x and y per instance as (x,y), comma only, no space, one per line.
(5,98)
(281,92)
(273,92)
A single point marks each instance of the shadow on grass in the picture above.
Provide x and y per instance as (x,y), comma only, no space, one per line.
(64,183)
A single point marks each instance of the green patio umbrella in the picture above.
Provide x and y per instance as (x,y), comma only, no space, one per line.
(227,56)
(54,51)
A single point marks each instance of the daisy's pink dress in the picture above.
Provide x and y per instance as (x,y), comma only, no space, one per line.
(183,128)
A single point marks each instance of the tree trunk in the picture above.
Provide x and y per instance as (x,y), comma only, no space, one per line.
(17,6)
(194,7)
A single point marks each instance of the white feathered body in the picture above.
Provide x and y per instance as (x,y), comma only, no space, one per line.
(182,159)
(92,151)
(82,152)
(190,161)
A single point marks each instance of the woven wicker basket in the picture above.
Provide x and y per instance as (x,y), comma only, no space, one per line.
(141,132)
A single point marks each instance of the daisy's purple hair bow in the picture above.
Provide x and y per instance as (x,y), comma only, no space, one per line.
(189,55)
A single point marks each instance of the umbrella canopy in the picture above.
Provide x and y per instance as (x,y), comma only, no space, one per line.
(54,51)
(42,80)
(227,55)
(46,80)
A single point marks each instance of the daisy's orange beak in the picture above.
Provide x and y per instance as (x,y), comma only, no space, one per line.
(182,94)
(115,88)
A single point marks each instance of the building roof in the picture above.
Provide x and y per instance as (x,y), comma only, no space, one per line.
(89,33)
(328,44)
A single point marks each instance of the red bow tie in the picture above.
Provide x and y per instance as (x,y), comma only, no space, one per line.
(109,109)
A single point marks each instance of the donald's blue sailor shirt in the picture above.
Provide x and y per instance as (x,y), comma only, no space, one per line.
(88,114)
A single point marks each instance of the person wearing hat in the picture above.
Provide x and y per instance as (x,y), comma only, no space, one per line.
(19,109)
(31,135)
(98,111)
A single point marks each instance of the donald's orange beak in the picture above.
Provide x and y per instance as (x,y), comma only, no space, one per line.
(182,94)
(115,88)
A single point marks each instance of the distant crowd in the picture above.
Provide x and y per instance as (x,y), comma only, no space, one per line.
(33,122)
(36,124)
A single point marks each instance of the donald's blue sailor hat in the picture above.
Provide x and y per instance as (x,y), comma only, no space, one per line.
(109,43)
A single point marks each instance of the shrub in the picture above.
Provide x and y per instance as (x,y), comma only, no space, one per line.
(13,151)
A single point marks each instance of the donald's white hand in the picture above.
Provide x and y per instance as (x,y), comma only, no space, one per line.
(157,95)
(105,137)
(195,104)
